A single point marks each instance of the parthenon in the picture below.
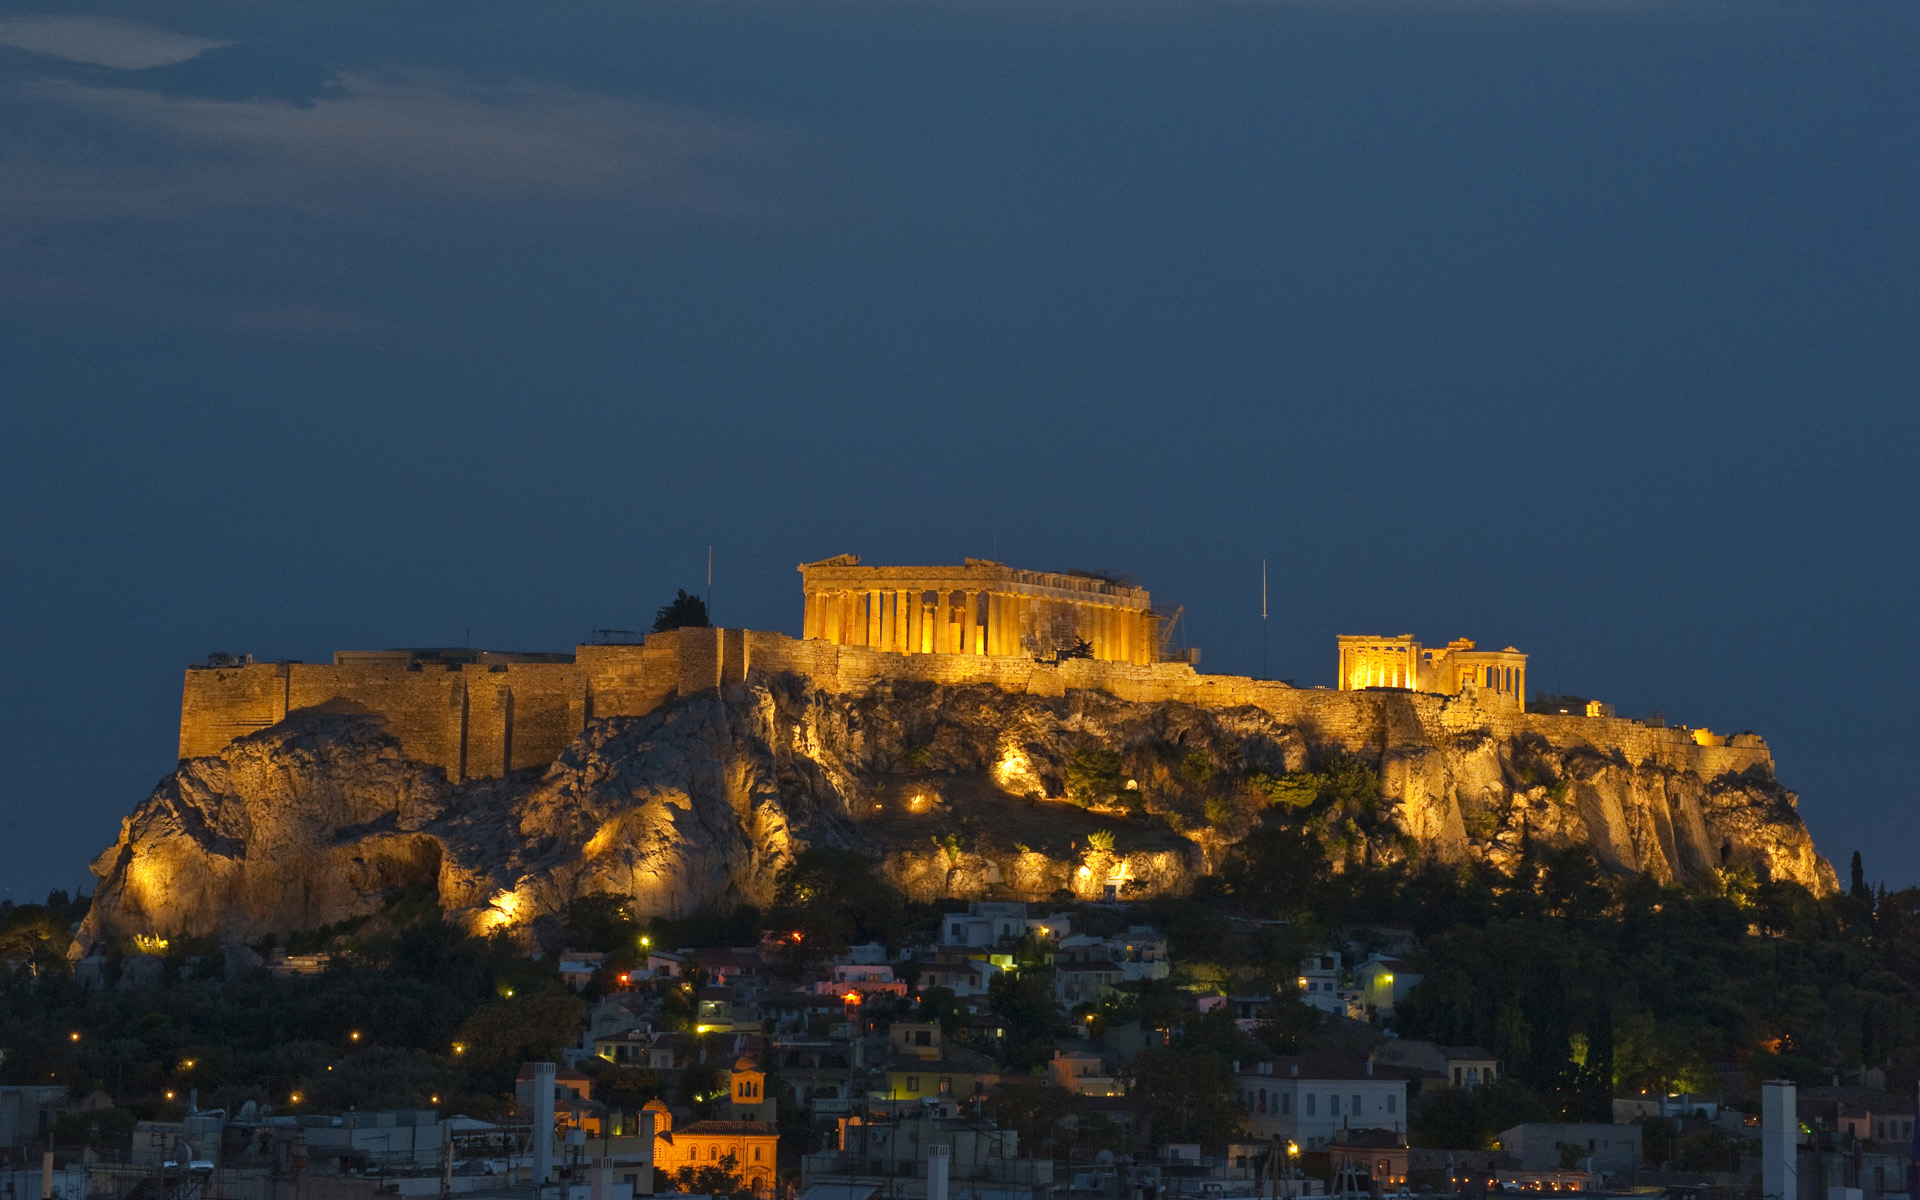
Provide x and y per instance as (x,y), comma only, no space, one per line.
(981,607)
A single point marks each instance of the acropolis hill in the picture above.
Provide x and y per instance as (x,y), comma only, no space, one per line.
(939,716)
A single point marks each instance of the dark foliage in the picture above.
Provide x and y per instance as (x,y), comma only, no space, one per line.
(681,612)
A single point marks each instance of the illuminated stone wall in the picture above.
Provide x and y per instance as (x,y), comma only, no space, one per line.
(485,714)
(981,609)
(472,714)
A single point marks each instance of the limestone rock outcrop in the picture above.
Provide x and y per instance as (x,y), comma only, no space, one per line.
(960,789)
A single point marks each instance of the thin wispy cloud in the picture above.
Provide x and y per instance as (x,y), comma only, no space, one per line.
(102,41)
(110,188)
(394,147)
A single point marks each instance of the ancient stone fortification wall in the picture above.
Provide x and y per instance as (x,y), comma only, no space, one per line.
(471,720)
(482,719)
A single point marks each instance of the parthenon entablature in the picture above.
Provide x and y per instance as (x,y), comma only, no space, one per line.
(980,607)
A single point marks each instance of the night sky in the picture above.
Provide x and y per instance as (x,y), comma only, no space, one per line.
(1590,328)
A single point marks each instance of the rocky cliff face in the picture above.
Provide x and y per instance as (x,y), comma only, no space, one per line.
(960,789)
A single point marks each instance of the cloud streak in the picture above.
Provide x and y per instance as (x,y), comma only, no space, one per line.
(102,41)
(110,190)
(389,148)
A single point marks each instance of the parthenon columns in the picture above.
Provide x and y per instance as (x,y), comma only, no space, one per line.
(979,608)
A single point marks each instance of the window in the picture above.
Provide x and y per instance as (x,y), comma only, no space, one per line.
(1263,1100)
(1310,1101)
(1393,1103)
(756,1154)
(1355,1110)
(713,1154)
(1333,1104)
(923,1037)
(913,1083)
(1286,1103)
(946,1085)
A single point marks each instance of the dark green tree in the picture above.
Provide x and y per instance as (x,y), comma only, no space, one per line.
(682,612)
(602,921)
(1025,1001)
(713,1179)
(1186,1094)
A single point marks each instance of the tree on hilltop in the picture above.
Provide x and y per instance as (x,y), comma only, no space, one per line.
(682,612)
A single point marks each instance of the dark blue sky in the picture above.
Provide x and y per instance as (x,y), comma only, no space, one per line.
(1585,327)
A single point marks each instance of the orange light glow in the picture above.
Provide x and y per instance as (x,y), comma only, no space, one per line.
(851,997)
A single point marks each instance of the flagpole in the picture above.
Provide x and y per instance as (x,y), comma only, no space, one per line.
(1263,618)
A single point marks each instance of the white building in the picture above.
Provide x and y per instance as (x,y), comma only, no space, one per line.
(985,923)
(1607,1149)
(1308,1097)
(1084,982)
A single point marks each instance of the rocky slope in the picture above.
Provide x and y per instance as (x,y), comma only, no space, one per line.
(962,789)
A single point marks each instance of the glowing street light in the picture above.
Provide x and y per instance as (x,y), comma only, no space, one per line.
(74,1036)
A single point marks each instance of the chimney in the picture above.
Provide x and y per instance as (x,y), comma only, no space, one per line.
(542,1136)
(939,1159)
(1369,1066)
(1296,1070)
(1779,1141)
(600,1180)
